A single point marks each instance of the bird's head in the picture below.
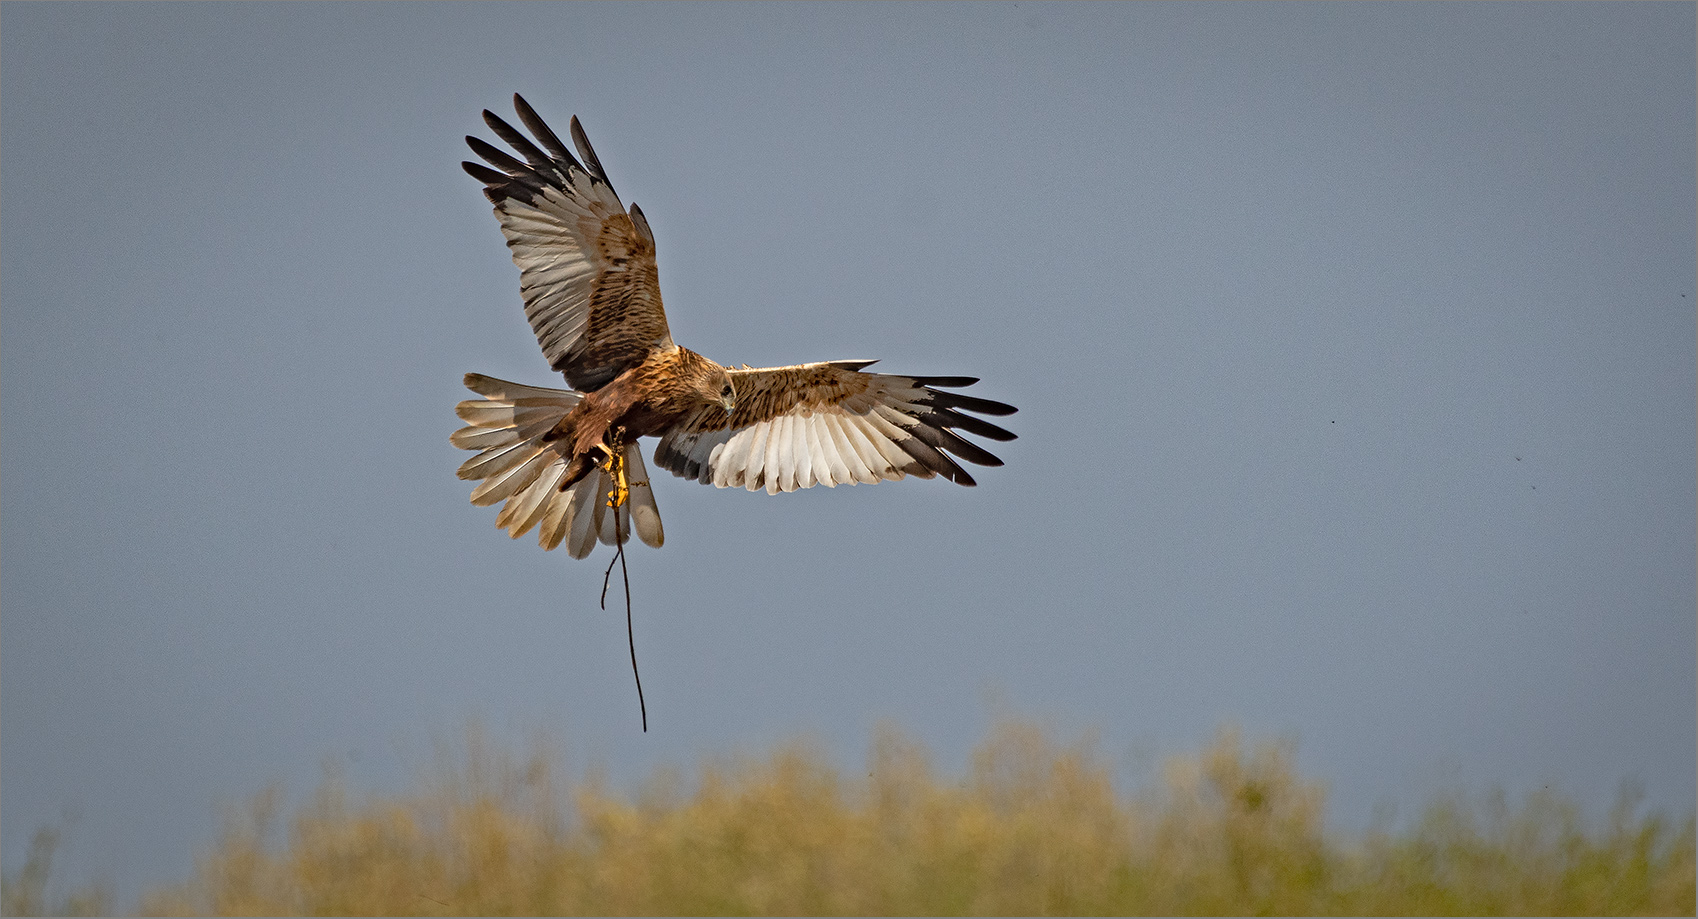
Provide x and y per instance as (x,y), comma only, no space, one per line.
(725,391)
(708,380)
(713,385)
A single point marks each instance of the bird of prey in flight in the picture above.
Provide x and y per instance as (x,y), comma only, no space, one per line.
(566,461)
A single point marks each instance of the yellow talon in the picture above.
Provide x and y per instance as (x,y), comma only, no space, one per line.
(615,466)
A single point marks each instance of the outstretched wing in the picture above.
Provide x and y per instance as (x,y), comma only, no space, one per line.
(514,464)
(827,424)
(586,267)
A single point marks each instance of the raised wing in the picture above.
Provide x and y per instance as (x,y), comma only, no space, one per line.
(586,267)
(515,465)
(829,424)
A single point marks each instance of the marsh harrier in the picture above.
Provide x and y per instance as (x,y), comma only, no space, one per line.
(565,460)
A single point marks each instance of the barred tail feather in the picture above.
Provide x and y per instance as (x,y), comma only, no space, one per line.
(515,466)
(644,514)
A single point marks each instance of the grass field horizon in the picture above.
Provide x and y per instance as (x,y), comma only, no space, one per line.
(1032,826)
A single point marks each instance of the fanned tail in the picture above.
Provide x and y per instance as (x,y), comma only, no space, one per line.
(515,465)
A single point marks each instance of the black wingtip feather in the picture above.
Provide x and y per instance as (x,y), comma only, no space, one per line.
(949,418)
(945,439)
(498,158)
(951,382)
(931,458)
(971,403)
(587,152)
(517,140)
(543,132)
(478,170)
(496,183)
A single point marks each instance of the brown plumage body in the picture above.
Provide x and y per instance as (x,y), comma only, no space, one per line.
(648,399)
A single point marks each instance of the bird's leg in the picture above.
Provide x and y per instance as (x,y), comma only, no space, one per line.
(580,466)
(615,466)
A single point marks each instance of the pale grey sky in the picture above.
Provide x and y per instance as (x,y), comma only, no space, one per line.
(1354,346)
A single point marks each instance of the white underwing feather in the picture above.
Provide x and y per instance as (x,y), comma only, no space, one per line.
(856,470)
(836,471)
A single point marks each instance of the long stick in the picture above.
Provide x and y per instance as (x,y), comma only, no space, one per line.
(630,635)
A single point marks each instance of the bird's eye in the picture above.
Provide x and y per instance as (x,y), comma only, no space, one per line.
(726,391)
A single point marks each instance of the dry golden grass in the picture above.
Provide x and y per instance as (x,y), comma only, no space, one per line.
(24,892)
(1035,827)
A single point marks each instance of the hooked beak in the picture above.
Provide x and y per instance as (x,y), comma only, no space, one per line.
(729,404)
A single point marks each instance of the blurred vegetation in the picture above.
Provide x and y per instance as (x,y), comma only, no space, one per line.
(1034,827)
(24,892)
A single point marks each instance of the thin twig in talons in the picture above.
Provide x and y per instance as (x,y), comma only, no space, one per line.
(631,638)
(630,635)
(607,576)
